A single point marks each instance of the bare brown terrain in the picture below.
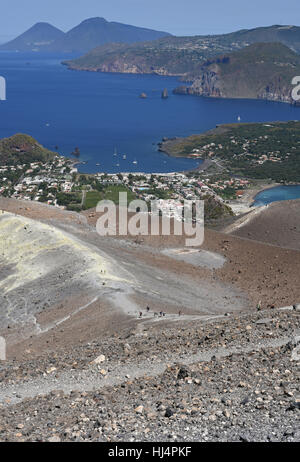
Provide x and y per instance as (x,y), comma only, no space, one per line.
(263,272)
(69,295)
(278,224)
(249,272)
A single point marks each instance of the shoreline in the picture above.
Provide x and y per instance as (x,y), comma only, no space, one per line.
(245,204)
(179,77)
(275,185)
(253,192)
(205,164)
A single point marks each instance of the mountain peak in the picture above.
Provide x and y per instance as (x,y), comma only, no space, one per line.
(94,32)
(96,20)
(37,38)
(89,34)
(42,24)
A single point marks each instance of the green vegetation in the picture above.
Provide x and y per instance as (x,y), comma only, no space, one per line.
(70,200)
(23,149)
(255,150)
(110,192)
(214,210)
(159,193)
(227,193)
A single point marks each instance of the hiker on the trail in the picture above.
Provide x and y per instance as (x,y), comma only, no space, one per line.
(148,309)
(179,313)
(160,313)
(258,306)
(141,314)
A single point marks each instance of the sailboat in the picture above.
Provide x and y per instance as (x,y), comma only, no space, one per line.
(115,152)
(239,118)
(124,156)
(164,94)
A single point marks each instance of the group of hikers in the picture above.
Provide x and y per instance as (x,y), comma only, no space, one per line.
(155,314)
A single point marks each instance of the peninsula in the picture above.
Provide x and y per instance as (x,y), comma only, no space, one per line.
(253,150)
(179,56)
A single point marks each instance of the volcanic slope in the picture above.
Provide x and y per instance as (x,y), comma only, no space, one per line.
(82,369)
(277,224)
(58,266)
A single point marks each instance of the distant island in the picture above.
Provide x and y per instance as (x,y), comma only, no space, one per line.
(39,37)
(44,37)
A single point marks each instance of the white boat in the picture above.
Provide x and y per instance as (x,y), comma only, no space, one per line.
(124,156)
(239,118)
(115,152)
(134,162)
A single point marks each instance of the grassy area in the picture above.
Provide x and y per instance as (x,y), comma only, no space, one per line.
(108,193)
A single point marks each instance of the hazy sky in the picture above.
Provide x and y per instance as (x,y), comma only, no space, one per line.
(180,17)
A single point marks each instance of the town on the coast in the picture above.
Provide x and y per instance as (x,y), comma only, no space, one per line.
(57,182)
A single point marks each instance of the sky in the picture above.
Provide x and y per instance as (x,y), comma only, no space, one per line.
(179,17)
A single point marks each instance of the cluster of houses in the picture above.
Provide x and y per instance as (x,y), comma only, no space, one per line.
(42,181)
(176,186)
(241,147)
(31,182)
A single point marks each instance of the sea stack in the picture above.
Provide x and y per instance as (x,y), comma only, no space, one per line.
(165,94)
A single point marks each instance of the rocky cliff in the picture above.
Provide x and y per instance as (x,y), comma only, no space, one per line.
(260,71)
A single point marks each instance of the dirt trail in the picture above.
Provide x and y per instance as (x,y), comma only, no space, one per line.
(89,380)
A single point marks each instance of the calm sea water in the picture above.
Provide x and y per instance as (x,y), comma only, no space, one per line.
(279,193)
(103,112)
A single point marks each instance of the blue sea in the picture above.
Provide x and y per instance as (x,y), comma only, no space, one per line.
(279,193)
(101,113)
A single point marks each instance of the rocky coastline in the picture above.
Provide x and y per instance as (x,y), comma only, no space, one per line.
(210,85)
